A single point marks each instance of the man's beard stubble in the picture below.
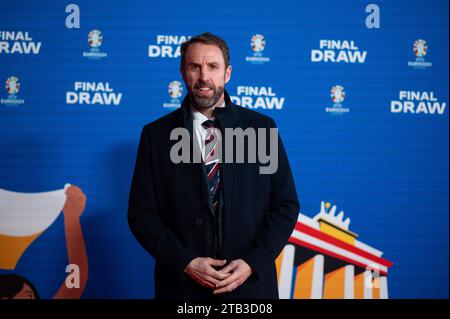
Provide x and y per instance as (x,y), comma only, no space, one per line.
(204,102)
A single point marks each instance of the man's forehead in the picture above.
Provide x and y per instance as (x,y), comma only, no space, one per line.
(199,52)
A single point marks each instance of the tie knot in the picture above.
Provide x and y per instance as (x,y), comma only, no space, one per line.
(209,123)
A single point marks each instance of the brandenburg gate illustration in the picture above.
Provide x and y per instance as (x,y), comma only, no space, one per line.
(323,259)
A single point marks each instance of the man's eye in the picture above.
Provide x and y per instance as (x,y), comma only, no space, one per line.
(194,67)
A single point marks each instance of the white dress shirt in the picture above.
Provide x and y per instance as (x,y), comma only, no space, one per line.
(199,130)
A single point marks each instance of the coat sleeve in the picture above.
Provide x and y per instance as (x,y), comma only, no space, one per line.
(280,219)
(144,217)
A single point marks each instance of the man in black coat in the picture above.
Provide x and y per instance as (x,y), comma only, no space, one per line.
(214,226)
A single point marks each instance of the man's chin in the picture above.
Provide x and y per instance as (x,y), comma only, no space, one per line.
(204,103)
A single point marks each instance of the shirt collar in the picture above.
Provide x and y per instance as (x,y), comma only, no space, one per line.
(197,116)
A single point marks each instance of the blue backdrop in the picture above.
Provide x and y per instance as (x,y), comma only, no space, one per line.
(384,163)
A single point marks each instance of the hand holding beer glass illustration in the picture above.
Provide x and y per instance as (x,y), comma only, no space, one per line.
(23,218)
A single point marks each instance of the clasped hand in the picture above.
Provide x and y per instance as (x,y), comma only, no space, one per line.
(206,271)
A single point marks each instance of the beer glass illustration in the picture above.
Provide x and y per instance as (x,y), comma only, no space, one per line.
(23,218)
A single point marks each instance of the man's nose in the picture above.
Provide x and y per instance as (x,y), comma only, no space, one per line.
(204,76)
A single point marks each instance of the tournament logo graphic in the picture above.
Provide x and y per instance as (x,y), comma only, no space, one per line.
(338,51)
(258,44)
(420,49)
(175,89)
(18,42)
(254,97)
(12,87)
(167,46)
(337,96)
(175,92)
(95,40)
(417,102)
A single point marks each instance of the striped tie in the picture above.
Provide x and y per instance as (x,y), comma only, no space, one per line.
(212,149)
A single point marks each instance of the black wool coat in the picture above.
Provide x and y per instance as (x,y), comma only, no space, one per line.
(170,212)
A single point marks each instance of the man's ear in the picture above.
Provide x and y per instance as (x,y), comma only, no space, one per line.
(228,74)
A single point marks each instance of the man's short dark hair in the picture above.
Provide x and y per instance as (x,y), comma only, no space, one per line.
(206,38)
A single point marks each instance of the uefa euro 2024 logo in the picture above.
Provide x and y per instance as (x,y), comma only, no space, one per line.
(258,43)
(175,89)
(95,38)
(12,85)
(337,94)
(420,48)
